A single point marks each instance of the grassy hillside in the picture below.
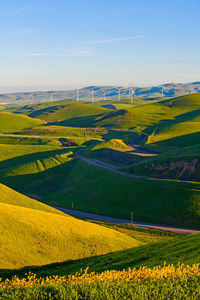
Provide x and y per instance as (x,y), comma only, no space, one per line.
(184,249)
(57,178)
(10,122)
(27,141)
(33,234)
(181,163)
(64,113)
(9,151)
(64,131)
(151,116)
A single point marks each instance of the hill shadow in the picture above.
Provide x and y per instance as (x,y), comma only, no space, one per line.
(189,116)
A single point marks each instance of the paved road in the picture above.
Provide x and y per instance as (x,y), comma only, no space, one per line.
(102,165)
(136,144)
(86,215)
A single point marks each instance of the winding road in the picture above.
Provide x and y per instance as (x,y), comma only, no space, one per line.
(90,216)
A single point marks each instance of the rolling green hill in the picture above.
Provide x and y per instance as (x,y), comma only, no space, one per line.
(181,163)
(183,249)
(10,122)
(55,176)
(65,113)
(149,117)
(34,234)
(64,131)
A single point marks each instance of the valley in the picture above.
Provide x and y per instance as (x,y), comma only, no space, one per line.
(88,181)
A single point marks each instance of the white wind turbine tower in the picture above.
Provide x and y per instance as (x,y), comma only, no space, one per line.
(104,95)
(77,95)
(191,89)
(119,93)
(92,94)
(129,91)
(163,90)
(31,99)
(132,93)
(51,98)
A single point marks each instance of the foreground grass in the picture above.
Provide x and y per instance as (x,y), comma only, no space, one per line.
(35,234)
(184,249)
(158,283)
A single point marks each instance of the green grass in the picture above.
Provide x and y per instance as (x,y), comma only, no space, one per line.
(97,190)
(64,113)
(110,144)
(64,132)
(178,288)
(151,116)
(184,249)
(10,122)
(112,156)
(176,142)
(9,151)
(34,234)
(27,141)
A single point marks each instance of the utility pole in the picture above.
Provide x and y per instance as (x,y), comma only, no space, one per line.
(132,218)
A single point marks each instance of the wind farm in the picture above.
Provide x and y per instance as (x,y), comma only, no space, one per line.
(99,150)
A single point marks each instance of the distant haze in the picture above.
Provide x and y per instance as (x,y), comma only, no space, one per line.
(111,92)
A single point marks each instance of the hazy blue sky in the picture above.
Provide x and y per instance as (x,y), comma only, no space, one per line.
(50,44)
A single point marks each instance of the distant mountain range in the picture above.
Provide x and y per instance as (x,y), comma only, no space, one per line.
(111,92)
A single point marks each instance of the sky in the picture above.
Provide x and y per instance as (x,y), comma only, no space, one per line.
(62,44)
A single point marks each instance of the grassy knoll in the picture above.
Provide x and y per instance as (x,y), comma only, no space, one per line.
(176,142)
(9,151)
(112,151)
(111,144)
(10,122)
(34,234)
(62,113)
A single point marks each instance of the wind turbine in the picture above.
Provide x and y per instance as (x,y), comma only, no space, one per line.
(191,89)
(31,99)
(77,95)
(51,98)
(119,93)
(104,95)
(163,89)
(92,94)
(131,93)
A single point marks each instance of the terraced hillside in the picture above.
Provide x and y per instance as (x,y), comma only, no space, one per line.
(10,122)
(35,234)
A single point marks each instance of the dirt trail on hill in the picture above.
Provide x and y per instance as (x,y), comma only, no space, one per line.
(82,214)
(50,137)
